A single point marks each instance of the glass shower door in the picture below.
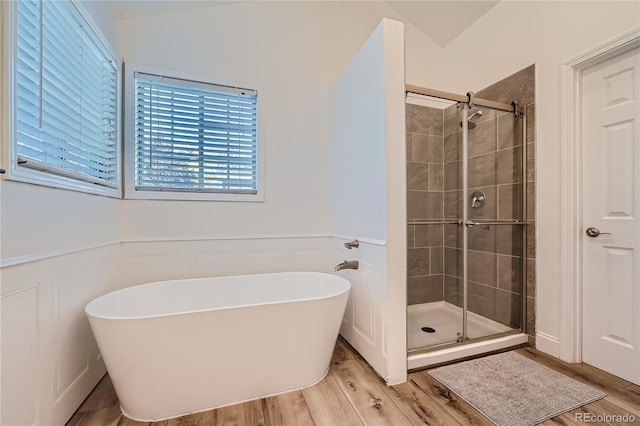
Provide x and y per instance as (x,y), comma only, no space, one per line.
(434,138)
(495,218)
(483,253)
(471,243)
(455,160)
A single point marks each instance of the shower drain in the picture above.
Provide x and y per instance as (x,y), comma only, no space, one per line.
(428,329)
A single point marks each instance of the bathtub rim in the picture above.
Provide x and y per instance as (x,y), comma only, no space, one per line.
(239,306)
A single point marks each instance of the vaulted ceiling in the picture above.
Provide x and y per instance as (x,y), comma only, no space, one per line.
(442,21)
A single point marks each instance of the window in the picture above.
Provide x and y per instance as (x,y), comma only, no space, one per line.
(190,137)
(64,99)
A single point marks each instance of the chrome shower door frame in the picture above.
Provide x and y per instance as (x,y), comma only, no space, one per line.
(467,102)
(465,217)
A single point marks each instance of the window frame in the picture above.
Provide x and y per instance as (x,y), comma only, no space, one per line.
(130,191)
(14,172)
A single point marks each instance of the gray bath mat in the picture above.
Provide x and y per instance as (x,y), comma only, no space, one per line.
(512,390)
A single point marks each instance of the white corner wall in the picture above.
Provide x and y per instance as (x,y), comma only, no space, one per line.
(358,178)
(512,36)
(396,206)
(367,190)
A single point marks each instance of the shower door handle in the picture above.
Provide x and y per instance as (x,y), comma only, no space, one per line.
(594,232)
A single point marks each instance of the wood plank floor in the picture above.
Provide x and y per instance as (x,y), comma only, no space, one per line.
(352,394)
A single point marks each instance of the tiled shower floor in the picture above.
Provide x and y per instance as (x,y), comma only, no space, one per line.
(446,319)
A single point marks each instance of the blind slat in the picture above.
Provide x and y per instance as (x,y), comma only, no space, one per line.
(59,169)
(195,126)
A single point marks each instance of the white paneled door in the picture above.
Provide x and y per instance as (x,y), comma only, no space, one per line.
(610,225)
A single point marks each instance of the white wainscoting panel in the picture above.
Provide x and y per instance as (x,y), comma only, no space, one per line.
(50,361)
(363,298)
(69,327)
(19,318)
(151,261)
(363,325)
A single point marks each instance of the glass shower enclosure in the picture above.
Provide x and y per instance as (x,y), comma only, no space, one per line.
(466,224)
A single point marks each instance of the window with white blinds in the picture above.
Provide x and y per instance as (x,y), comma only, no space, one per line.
(65,95)
(191,136)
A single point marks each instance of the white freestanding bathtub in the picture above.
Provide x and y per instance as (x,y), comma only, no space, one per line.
(179,347)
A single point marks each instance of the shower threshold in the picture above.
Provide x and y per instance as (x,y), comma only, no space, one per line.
(446,319)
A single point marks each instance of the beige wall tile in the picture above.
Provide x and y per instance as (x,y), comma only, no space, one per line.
(424,120)
(453,147)
(510,273)
(436,264)
(508,308)
(482,267)
(429,236)
(425,289)
(418,262)
(510,202)
(482,138)
(427,148)
(417,176)
(509,131)
(424,205)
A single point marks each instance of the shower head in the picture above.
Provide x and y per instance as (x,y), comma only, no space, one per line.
(472,124)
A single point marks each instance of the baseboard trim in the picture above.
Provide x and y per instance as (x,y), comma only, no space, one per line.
(548,344)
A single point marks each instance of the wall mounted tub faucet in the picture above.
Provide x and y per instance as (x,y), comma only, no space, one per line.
(352,244)
(347,264)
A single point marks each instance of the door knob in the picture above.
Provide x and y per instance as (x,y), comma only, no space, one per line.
(594,232)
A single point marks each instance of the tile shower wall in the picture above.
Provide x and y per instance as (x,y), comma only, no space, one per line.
(494,256)
(425,200)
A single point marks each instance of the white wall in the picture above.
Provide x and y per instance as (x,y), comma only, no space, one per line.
(396,209)
(292,53)
(367,198)
(104,17)
(358,185)
(508,38)
(39,220)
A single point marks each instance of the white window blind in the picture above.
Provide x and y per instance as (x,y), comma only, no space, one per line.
(193,136)
(65,95)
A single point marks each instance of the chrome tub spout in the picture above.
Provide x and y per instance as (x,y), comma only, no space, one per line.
(347,264)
